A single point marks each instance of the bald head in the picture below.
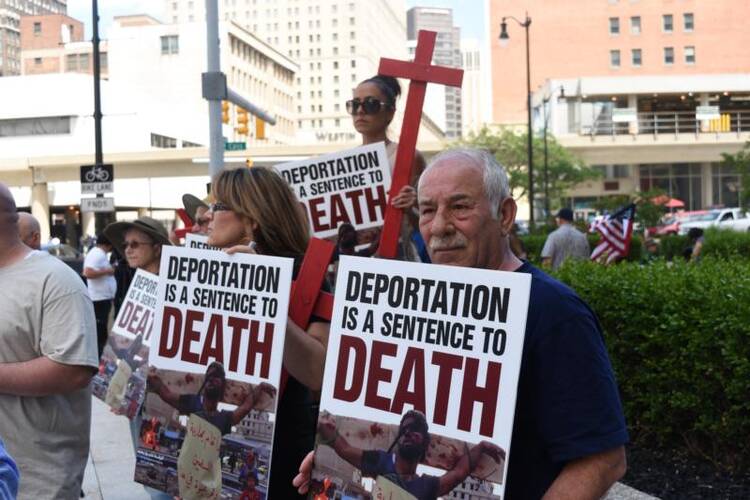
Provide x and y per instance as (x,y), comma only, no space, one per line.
(29,230)
(8,216)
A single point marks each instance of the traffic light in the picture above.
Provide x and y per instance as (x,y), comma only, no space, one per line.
(260,128)
(224,111)
(242,120)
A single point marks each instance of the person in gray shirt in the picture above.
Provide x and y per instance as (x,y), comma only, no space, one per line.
(564,242)
(47,358)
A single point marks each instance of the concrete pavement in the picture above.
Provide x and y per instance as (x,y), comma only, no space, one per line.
(109,473)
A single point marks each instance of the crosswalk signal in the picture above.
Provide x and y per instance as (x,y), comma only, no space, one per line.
(224,111)
(242,120)
(260,128)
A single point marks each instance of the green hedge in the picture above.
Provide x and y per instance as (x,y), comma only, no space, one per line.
(725,244)
(679,339)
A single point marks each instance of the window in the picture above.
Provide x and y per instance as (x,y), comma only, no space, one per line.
(688,22)
(335,65)
(170,44)
(83,62)
(37,61)
(666,23)
(163,141)
(35,126)
(636,57)
(71,62)
(37,28)
(635,25)
(614,25)
(668,55)
(614,58)
(690,55)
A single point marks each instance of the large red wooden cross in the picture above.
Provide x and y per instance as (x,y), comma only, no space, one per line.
(420,72)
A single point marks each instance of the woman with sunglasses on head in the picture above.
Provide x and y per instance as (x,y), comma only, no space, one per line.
(257,212)
(372,107)
(140,242)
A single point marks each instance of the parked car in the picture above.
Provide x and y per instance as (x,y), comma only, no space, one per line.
(725,218)
(66,253)
(670,223)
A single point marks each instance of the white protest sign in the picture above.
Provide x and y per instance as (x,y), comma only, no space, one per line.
(446,341)
(194,240)
(216,353)
(136,315)
(227,308)
(348,186)
(121,380)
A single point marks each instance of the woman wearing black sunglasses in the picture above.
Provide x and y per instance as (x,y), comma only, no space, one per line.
(372,108)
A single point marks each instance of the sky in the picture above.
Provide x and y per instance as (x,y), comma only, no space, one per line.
(467,14)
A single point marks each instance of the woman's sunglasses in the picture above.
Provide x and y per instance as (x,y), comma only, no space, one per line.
(370,105)
(218,207)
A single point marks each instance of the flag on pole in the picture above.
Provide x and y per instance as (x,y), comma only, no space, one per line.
(616,231)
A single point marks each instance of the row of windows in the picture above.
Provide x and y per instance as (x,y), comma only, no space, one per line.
(275,12)
(636,56)
(667,24)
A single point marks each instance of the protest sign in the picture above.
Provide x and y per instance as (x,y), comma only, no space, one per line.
(194,240)
(348,186)
(422,369)
(217,354)
(121,380)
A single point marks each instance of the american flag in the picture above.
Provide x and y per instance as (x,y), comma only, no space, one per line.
(616,231)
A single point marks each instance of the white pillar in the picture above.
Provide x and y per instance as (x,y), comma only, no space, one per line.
(88,224)
(633,103)
(40,208)
(703,100)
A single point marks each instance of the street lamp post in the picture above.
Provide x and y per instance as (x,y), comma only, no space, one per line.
(546,173)
(504,42)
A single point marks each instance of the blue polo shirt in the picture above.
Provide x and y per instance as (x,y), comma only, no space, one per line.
(8,475)
(568,405)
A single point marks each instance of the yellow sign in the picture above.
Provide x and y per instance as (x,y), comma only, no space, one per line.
(198,467)
(118,385)
(384,489)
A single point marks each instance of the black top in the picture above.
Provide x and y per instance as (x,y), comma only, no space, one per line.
(295,429)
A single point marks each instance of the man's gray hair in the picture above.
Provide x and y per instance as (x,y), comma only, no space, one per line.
(496,187)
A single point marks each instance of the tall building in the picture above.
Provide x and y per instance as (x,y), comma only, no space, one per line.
(10,28)
(447,53)
(612,38)
(654,91)
(336,43)
(53,43)
(163,63)
(476,96)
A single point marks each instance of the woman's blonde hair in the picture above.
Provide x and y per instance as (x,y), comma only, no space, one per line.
(261,195)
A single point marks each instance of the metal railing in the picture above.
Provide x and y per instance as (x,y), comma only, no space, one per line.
(680,122)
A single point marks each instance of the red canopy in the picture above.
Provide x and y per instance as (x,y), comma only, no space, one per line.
(674,203)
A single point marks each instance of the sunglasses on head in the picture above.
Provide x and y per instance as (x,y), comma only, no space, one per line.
(370,105)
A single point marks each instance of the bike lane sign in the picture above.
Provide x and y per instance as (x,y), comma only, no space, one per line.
(97,179)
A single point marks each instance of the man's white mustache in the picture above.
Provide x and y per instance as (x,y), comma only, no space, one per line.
(454,241)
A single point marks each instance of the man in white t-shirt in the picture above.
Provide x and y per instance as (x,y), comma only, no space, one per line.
(102,285)
(47,358)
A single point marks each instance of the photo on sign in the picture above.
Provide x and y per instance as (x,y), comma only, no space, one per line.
(421,376)
(214,370)
(242,412)
(361,461)
(123,366)
(349,187)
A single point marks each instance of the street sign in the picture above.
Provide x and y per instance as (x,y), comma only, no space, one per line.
(235,146)
(97,179)
(97,204)
(707,112)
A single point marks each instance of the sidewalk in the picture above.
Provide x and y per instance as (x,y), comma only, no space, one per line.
(109,473)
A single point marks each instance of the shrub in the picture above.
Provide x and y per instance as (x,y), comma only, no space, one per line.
(534,243)
(679,339)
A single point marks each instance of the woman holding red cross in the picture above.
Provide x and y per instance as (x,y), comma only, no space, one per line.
(372,107)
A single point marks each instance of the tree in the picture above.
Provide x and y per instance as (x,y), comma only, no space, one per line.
(565,170)
(740,164)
